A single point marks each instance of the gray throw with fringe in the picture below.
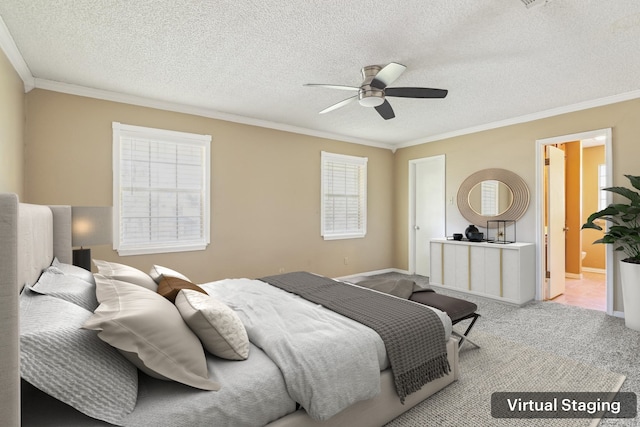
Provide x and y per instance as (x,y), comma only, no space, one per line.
(413,335)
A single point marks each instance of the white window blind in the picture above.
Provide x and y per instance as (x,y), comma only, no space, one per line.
(344,196)
(602,183)
(489,198)
(161,190)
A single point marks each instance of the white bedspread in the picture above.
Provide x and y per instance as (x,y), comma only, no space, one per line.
(328,361)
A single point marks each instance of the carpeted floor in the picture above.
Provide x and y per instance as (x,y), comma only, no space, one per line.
(503,365)
(586,336)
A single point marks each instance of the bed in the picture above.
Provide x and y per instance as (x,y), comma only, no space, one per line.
(37,238)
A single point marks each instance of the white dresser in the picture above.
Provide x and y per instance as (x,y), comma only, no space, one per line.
(504,272)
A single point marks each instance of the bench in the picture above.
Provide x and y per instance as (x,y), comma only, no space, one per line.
(457,309)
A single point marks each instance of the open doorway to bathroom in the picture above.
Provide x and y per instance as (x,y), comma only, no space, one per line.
(585,277)
(587,161)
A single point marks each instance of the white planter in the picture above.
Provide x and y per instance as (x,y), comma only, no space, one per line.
(630,279)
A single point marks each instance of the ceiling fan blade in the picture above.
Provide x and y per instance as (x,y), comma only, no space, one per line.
(339,104)
(385,110)
(341,87)
(415,92)
(387,75)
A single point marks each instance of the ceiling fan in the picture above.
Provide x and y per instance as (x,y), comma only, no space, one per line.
(374,89)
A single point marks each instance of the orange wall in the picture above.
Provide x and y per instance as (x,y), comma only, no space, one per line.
(591,158)
(573,207)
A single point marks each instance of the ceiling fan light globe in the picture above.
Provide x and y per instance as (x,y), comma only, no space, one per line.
(370,97)
(371,101)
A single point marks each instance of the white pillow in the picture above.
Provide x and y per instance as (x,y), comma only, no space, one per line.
(157,271)
(125,273)
(72,364)
(218,326)
(149,331)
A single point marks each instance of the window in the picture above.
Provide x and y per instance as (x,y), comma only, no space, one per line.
(160,190)
(489,198)
(344,196)
(602,183)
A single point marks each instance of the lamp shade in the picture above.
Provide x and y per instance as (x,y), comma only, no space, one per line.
(90,225)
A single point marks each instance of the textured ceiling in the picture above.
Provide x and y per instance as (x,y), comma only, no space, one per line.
(248,60)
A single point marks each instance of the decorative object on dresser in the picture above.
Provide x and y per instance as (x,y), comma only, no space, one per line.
(90,226)
(505,272)
(624,233)
(476,236)
(501,231)
(470,229)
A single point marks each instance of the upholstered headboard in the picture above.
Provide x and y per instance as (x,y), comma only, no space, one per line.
(30,236)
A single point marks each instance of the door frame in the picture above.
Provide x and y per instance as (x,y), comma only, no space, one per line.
(412,206)
(540,146)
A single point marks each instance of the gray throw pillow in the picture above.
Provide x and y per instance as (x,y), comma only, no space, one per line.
(73,270)
(55,283)
(72,364)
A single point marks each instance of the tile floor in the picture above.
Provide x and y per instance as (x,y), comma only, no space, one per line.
(588,292)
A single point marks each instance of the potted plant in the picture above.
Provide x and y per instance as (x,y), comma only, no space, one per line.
(624,234)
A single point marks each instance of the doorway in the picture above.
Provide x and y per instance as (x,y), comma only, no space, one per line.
(426,210)
(579,281)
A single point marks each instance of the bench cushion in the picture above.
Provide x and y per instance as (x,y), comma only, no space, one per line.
(456,308)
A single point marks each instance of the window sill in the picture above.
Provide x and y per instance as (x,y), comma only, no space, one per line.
(161,249)
(344,236)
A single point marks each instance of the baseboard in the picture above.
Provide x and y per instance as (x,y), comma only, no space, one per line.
(619,314)
(572,275)
(594,270)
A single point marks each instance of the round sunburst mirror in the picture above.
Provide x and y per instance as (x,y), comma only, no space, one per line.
(493,194)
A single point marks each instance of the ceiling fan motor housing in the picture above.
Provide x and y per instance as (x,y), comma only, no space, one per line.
(368,95)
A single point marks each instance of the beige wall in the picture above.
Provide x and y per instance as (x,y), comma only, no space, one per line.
(514,148)
(11,129)
(265,189)
(591,158)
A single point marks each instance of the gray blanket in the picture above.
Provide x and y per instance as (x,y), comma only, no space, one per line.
(414,336)
(402,288)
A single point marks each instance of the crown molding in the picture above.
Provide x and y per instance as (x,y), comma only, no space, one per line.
(627,96)
(213,114)
(10,49)
(198,111)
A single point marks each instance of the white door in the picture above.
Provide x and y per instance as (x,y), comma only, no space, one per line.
(429,208)
(556,223)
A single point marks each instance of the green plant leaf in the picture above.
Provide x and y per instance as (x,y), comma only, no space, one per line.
(629,194)
(591,225)
(635,181)
(623,219)
(609,210)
